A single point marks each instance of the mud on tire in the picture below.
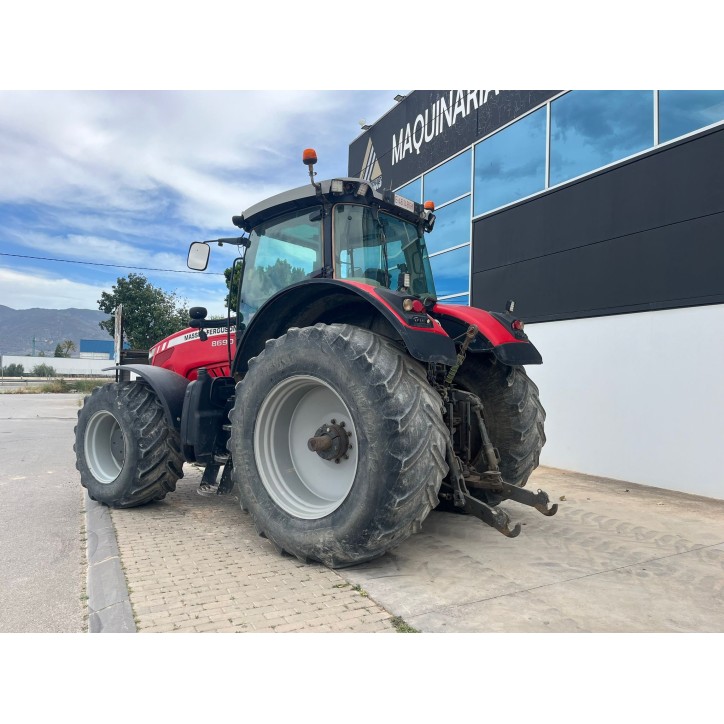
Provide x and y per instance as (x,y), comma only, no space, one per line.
(315,508)
(126,452)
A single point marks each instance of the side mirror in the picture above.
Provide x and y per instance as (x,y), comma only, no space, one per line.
(198,256)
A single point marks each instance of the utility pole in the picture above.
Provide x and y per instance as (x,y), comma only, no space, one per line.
(49,341)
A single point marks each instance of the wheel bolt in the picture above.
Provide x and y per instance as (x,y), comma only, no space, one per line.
(334,422)
(337,461)
(341,424)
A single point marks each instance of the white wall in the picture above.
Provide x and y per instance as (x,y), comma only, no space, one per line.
(636,397)
(61,365)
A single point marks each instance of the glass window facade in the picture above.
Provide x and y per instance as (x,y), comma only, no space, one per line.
(449,181)
(461,299)
(452,226)
(511,164)
(681,112)
(412,191)
(590,129)
(572,135)
(453,222)
(451,271)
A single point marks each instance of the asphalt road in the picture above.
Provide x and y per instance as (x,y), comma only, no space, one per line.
(43,563)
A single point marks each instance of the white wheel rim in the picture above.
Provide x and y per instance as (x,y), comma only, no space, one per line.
(105,449)
(300,481)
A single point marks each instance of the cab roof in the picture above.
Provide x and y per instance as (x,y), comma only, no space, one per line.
(306,196)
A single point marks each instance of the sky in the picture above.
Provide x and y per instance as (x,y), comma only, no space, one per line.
(130,178)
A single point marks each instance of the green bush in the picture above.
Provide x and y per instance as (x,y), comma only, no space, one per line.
(43,370)
(14,370)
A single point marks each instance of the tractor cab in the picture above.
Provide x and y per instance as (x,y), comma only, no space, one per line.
(335,229)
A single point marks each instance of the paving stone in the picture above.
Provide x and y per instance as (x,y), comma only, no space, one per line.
(193,556)
(185,558)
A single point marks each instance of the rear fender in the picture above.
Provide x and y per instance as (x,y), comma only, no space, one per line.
(495,335)
(331,301)
(169,387)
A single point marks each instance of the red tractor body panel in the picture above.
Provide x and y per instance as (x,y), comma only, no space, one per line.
(183,352)
(490,327)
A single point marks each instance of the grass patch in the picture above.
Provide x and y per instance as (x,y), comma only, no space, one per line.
(83,386)
(61,385)
(360,590)
(401,626)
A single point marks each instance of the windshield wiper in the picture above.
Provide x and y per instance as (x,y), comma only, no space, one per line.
(383,245)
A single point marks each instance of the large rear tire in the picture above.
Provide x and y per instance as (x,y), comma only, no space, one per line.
(126,452)
(514,416)
(385,420)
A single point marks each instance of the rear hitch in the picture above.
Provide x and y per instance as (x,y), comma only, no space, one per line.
(493,481)
(464,474)
(461,497)
(494,517)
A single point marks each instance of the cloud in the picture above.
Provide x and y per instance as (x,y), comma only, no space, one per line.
(23,290)
(121,149)
(27,289)
(130,178)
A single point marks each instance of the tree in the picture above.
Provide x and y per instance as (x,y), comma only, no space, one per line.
(63,349)
(262,281)
(149,313)
(232,286)
(14,370)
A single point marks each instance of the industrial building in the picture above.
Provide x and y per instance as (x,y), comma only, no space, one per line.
(601,213)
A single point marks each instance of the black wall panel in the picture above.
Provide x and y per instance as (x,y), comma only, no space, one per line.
(495,112)
(647,234)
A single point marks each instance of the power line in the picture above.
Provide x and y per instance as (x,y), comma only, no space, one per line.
(118,266)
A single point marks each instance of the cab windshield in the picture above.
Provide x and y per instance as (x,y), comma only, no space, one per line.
(380,251)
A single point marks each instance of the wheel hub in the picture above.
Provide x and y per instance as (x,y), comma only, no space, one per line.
(305,485)
(331,442)
(104,447)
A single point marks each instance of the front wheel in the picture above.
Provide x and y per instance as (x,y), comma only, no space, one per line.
(338,444)
(126,452)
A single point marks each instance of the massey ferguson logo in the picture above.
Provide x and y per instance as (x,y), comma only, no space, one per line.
(371,170)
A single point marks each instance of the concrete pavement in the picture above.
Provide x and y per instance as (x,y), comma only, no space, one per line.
(43,561)
(617,558)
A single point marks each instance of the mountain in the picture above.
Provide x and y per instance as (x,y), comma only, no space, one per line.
(48,326)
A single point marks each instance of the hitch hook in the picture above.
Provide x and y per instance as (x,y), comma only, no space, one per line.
(543,506)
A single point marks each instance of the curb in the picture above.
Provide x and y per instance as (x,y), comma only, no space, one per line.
(109,606)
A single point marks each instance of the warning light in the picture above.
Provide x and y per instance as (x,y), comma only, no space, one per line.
(429,206)
(309,156)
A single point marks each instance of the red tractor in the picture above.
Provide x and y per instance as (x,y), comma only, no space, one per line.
(343,401)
